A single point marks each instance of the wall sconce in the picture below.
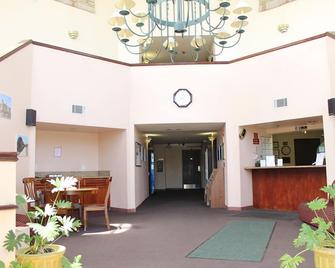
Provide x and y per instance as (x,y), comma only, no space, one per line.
(283,27)
(73,34)
(148,139)
(211,137)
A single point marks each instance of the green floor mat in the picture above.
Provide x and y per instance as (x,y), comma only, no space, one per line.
(237,241)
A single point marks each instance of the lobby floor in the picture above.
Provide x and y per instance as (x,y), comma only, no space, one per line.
(165,228)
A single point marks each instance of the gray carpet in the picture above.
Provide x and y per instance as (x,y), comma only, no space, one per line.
(164,230)
(267,214)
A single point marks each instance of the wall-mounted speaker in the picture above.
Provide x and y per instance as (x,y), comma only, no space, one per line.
(30,117)
(331,106)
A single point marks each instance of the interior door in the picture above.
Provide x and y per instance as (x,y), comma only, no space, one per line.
(191,169)
(305,151)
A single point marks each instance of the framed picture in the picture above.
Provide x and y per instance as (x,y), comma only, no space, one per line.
(138,154)
(270,4)
(22,142)
(5,106)
(275,145)
(160,165)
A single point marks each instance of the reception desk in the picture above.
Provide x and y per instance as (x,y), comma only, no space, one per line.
(284,188)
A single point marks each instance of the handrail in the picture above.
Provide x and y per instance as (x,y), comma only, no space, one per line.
(84,54)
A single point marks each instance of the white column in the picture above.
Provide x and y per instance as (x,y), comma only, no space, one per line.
(7,199)
(329,135)
(131,168)
(233,176)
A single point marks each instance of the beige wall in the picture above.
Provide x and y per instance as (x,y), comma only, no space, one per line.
(121,97)
(7,197)
(244,91)
(80,151)
(15,81)
(262,32)
(113,157)
(141,173)
(61,79)
(49,21)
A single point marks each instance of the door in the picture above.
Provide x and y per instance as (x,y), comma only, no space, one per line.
(151,164)
(305,151)
(191,169)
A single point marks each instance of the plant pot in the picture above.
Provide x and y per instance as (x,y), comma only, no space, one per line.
(324,257)
(46,260)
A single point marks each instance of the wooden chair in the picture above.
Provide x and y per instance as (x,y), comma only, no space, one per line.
(29,190)
(99,207)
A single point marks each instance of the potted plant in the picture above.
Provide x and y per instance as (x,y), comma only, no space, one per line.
(320,240)
(47,227)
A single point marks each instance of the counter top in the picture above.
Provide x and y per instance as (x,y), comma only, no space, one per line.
(285,167)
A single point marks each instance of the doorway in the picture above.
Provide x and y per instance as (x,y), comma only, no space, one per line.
(191,169)
(305,151)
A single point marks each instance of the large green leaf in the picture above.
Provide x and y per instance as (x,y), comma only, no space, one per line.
(2,265)
(48,232)
(318,204)
(308,237)
(75,264)
(21,201)
(63,204)
(286,261)
(330,189)
(13,242)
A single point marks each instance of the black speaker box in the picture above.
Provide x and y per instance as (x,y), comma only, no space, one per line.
(30,117)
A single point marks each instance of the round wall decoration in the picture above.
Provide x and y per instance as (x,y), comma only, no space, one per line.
(285,150)
(182,98)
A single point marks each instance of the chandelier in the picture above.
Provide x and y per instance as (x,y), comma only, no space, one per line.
(167,20)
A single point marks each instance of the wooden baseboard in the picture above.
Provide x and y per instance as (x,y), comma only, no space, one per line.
(8,207)
(239,208)
(126,210)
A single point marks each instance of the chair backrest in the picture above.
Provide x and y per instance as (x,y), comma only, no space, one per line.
(29,187)
(108,192)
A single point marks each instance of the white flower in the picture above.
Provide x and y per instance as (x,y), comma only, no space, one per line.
(49,210)
(63,183)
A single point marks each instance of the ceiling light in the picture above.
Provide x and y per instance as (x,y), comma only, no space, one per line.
(168,19)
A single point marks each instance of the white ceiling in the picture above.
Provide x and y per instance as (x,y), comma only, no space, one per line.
(179,133)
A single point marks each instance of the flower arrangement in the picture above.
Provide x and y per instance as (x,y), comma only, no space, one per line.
(313,238)
(47,227)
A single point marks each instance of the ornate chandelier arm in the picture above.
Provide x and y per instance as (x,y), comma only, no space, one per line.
(188,14)
(137,34)
(140,16)
(223,45)
(158,52)
(160,20)
(213,28)
(125,42)
(219,26)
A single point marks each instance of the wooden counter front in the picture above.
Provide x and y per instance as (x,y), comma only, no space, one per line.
(284,188)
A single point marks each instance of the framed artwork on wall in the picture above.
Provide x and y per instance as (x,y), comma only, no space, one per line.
(5,106)
(265,5)
(138,154)
(22,142)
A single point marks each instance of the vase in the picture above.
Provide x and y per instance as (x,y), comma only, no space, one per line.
(46,260)
(324,257)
